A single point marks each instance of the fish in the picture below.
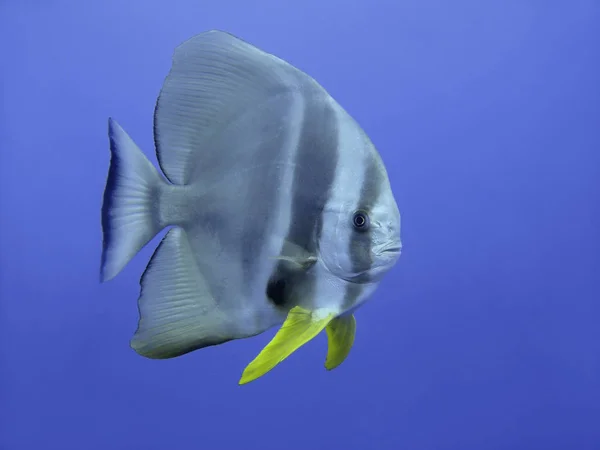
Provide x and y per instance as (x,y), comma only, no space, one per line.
(278,206)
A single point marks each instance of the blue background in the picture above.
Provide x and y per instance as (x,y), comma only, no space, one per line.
(484,336)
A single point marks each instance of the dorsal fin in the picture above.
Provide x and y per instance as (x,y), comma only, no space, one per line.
(214,78)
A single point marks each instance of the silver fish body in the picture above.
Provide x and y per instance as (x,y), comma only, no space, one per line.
(277,199)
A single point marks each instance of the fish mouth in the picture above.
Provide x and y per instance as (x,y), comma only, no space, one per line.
(390,249)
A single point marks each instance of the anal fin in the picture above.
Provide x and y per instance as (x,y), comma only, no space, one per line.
(300,326)
(340,338)
(177,312)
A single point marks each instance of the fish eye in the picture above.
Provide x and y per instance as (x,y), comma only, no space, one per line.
(360,220)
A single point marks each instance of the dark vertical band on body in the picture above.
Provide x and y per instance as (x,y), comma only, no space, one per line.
(315,168)
(361,243)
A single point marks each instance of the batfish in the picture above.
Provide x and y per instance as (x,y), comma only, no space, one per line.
(279,208)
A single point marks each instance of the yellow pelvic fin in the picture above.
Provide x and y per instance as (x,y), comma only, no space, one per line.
(300,326)
(340,338)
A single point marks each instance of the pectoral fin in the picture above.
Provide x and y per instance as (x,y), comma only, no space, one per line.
(295,257)
(340,338)
(301,326)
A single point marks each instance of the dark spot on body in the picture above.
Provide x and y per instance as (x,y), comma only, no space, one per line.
(277,291)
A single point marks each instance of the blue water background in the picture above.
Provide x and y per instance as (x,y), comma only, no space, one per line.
(486,335)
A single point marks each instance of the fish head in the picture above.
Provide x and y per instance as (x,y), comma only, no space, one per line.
(363,242)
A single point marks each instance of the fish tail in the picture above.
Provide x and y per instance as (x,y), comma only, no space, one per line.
(130,215)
